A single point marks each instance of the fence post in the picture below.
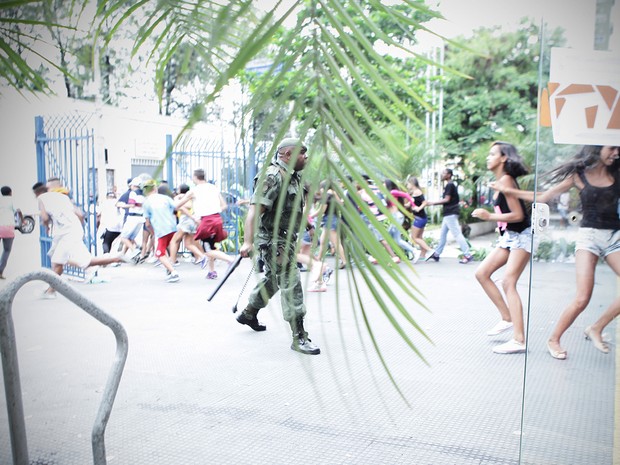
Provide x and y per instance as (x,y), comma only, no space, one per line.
(12,384)
(169,171)
(10,367)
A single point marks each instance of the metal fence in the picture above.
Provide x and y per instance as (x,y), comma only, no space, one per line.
(231,171)
(65,148)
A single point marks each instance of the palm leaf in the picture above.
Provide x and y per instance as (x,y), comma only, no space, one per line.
(315,64)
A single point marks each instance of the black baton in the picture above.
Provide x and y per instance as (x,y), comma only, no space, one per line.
(230,270)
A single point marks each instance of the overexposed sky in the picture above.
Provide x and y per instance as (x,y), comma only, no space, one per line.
(576,17)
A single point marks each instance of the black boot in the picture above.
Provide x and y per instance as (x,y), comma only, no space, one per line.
(248,317)
(301,342)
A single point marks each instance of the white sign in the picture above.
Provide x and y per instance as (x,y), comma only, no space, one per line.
(584,97)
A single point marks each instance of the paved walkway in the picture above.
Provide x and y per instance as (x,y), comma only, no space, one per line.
(199,388)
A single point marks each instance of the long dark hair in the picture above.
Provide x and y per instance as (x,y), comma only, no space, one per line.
(586,158)
(413,180)
(514,165)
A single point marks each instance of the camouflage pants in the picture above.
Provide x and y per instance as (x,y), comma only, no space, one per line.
(281,274)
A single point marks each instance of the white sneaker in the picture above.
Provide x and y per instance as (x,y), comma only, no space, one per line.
(510,347)
(173,278)
(124,258)
(499,328)
(48,295)
(133,254)
(318,287)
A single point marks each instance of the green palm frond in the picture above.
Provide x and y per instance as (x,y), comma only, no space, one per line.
(16,41)
(330,80)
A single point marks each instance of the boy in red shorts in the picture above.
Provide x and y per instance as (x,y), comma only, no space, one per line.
(159,214)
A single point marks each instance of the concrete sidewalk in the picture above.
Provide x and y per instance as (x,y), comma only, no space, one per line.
(199,388)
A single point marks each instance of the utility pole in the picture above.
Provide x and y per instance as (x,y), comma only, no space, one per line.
(603,26)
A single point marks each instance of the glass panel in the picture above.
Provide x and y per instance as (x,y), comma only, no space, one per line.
(568,408)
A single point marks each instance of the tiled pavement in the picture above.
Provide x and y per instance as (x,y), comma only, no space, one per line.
(198,388)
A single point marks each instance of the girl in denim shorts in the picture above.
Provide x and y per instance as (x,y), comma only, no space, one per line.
(513,249)
(594,172)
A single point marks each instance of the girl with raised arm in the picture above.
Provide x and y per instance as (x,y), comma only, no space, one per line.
(594,172)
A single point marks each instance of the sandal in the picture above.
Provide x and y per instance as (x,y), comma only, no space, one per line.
(598,343)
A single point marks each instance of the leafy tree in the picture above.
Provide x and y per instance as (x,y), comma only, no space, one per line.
(498,99)
(397,81)
(19,29)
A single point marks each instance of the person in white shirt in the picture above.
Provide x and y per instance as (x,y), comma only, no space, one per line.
(208,205)
(134,219)
(7,226)
(64,222)
(110,222)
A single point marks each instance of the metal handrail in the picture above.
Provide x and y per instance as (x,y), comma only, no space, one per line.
(12,384)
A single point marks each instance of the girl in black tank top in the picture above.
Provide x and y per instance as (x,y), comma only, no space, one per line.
(595,172)
(513,249)
(416,231)
(501,203)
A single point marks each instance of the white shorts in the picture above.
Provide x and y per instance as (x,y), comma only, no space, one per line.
(132,227)
(512,240)
(600,242)
(69,249)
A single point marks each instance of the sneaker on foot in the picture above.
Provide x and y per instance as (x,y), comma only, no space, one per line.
(396,259)
(172,278)
(466,259)
(133,254)
(124,258)
(318,287)
(49,295)
(499,328)
(433,256)
(327,274)
(305,346)
(212,275)
(510,347)
(203,262)
(372,260)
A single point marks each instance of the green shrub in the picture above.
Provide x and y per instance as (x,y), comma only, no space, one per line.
(549,250)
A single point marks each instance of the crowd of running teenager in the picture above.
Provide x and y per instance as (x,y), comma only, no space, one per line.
(162,222)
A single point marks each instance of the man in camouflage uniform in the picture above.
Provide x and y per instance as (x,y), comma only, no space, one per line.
(278,201)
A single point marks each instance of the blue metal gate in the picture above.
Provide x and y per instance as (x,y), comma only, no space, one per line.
(230,170)
(65,147)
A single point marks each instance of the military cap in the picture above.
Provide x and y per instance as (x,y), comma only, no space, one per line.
(291,142)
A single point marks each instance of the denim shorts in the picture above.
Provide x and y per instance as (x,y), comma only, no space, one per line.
(330,221)
(306,238)
(512,240)
(600,242)
(420,222)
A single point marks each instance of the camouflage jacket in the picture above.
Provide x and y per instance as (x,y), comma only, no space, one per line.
(278,179)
